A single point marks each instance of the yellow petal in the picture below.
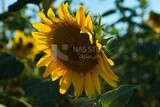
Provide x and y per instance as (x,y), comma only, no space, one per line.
(49,68)
(78,83)
(39,35)
(107,67)
(110,62)
(60,11)
(90,37)
(107,59)
(44,61)
(48,51)
(96,82)
(75,82)
(58,71)
(80,16)
(64,9)
(88,85)
(99,46)
(68,16)
(65,82)
(51,15)
(42,27)
(44,18)
(81,84)
(157,29)
(88,22)
(57,74)
(42,46)
(104,74)
(44,40)
(84,30)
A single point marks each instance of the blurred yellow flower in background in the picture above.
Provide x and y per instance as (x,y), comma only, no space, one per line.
(3,47)
(23,46)
(72,53)
(154,21)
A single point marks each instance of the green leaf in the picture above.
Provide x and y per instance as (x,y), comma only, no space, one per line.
(112,40)
(10,67)
(89,104)
(46,92)
(98,32)
(110,44)
(114,31)
(118,97)
(21,101)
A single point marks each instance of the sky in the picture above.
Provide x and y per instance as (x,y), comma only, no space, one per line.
(98,6)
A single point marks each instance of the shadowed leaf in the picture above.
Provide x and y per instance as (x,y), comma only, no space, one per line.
(10,67)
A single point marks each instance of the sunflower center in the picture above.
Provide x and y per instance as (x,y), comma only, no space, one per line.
(29,45)
(74,49)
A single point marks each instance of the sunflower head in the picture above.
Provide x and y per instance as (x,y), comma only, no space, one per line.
(154,21)
(72,52)
(23,45)
(3,47)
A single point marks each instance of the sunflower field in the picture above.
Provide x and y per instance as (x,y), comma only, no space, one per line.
(59,53)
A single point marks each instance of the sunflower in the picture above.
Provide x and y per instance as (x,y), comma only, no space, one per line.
(72,53)
(154,21)
(23,46)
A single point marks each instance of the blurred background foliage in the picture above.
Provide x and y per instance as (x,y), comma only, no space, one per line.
(134,48)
